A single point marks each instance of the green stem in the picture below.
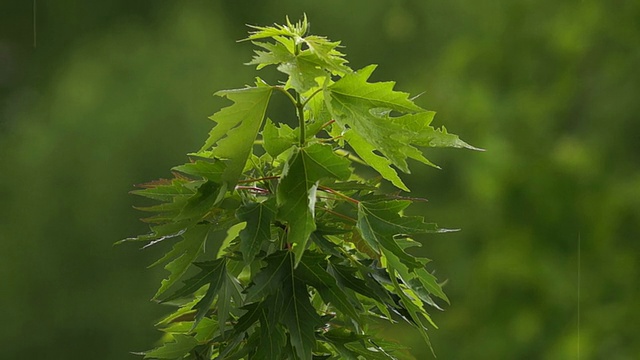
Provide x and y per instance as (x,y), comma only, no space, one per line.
(311,96)
(300,110)
(296,101)
(282,90)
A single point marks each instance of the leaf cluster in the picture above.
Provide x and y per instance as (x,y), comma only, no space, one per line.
(281,248)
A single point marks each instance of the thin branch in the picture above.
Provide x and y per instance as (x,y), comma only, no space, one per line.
(253,189)
(311,97)
(345,197)
(248,181)
(282,90)
(350,219)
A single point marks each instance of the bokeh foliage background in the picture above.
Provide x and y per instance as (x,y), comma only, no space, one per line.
(115,93)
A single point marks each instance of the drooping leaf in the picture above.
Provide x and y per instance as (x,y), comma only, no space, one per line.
(272,338)
(346,277)
(378,227)
(237,127)
(183,254)
(258,217)
(230,290)
(202,201)
(311,270)
(276,53)
(297,190)
(181,346)
(208,170)
(299,317)
(165,191)
(270,278)
(212,273)
(417,313)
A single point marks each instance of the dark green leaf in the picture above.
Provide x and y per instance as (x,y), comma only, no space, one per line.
(270,278)
(312,271)
(202,201)
(212,273)
(300,318)
(272,338)
(258,217)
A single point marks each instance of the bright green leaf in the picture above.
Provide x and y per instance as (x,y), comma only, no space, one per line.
(208,170)
(277,139)
(297,190)
(183,254)
(182,345)
(237,127)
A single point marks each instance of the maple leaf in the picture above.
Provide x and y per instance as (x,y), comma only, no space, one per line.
(312,271)
(208,170)
(236,128)
(296,192)
(212,273)
(277,139)
(304,58)
(258,217)
(380,222)
(363,110)
(182,255)
(177,349)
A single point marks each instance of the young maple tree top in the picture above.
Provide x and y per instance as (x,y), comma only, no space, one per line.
(313,251)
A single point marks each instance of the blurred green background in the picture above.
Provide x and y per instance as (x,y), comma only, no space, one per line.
(115,93)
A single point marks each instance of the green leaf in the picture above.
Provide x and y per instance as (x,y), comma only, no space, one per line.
(276,53)
(164,190)
(296,193)
(362,108)
(237,127)
(182,345)
(324,53)
(208,170)
(416,312)
(202,201)
(277,139)
(270,278)
(420,132)
(230,289)
(183,254)
(381,164)
(288,299)
(380,222)
(290,30)
(312,271)
(272,338)
(252,314)
(258,217)
(300,317)
(430,283)
(346,277)
(303,74)
(212,273)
